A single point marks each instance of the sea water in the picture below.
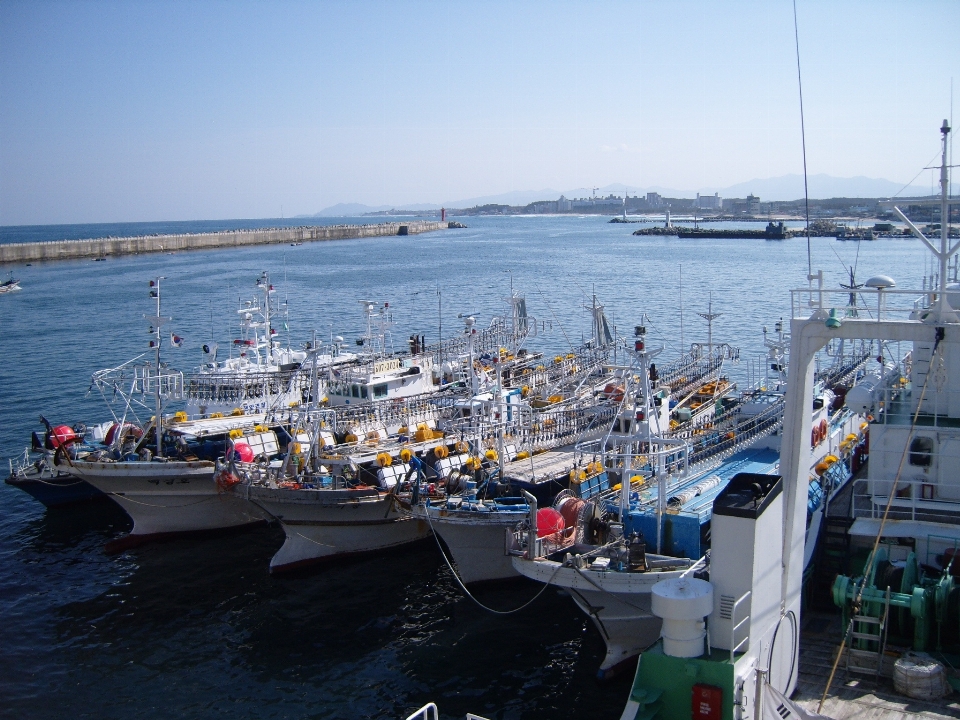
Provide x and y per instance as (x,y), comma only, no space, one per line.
(196,628)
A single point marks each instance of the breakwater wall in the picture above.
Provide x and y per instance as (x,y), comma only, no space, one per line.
(111,246)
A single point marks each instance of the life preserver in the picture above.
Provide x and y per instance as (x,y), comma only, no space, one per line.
(824,430)
(814,436)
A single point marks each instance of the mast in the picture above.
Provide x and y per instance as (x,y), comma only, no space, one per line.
(710,316)
(156,323)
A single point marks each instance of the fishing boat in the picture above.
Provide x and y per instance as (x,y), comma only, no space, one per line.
(262,376)
(539,458)
(334,499)
(898,588)
(162,473)
(730,639)
(666,507)
(35,472)
(10,285)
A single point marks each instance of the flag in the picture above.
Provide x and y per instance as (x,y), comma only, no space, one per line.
(778,707)
(176,340)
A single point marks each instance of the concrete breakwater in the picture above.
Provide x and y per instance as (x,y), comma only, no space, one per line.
(108,247)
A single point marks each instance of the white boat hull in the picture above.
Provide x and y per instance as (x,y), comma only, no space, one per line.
(170,497)
(477,543)
(618,603)
(322,524)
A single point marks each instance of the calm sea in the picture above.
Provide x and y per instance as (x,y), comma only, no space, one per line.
(196,628)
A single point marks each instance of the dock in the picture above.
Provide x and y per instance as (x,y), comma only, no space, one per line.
(117,246)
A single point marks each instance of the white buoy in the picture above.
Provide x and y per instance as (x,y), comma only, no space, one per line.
(682,603)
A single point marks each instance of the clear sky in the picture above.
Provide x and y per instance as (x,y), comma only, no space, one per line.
(125,111)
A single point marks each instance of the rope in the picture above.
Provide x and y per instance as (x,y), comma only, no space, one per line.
(464,587)
(146,504)
(883,521)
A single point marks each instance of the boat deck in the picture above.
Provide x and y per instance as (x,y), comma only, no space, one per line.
(543,466)
(854,695)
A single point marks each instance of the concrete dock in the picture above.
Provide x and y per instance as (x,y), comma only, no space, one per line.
(112,247)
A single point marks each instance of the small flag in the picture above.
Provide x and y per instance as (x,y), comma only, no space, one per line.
(176,340)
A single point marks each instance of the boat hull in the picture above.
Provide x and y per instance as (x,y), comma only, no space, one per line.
(320,525)
(54,491)
(618,603)
(477,544)
(173,497)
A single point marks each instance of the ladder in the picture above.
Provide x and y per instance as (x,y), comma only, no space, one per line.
(868,642)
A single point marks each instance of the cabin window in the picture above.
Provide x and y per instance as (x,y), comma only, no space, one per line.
(379,391)
(363,392)
(921,451)
(356,390)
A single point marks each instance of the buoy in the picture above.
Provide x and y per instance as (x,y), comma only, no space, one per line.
(462,446)
(237,412)
(491,455)
(64,434)
(236,433)
(384,459)
(549,522)
(522,455)
(242,452)
(440,451)
(405,455)
(179,416)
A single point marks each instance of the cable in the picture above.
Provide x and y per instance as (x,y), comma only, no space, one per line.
(803,140)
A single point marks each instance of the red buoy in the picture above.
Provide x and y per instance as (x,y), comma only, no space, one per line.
(549,522)
(242,452)
(61,435)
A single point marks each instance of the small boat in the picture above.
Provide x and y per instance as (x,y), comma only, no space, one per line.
(35,472)
(10,285)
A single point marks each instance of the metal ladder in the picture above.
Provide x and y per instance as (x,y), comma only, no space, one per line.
(868,630)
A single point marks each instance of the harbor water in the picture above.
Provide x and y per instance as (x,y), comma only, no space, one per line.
(195,627)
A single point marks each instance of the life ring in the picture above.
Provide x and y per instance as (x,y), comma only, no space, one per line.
(824,430)
(405,455)
(814,436)
(440,451)
(384,459)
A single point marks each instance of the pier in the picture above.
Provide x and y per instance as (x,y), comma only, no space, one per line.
(113,247)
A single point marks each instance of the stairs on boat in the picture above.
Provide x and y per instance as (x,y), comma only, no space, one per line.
(867,644)
(831,559)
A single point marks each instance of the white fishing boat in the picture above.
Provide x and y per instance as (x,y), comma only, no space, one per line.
(158,473)
(666,508)
(339,499)
(899,586)
(540,456)
(730,641)
(260,375)
(10,285)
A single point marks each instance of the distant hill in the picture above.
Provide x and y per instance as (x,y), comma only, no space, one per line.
(785,187)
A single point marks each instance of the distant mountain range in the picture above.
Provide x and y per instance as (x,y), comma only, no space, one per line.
(785,187)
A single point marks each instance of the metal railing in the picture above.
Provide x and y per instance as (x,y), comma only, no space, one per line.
(735,626)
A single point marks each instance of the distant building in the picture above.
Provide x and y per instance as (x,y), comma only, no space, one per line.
(563,205)
(709,202)
(654,200)
(753,204)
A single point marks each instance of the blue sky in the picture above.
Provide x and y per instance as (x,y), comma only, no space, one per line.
(122,111)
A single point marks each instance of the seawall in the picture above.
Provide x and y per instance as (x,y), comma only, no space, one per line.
(110,247)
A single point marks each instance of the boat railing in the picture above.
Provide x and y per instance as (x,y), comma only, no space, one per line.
(913,500)
(735,626)
(408,411)
(725,441)
(897,405)
(865,303)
